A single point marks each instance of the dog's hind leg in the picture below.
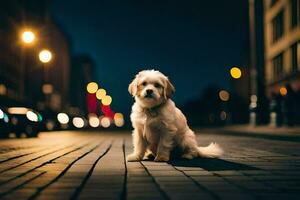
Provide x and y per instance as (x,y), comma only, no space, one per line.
(189,145)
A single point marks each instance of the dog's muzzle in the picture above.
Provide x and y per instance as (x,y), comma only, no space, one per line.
(149,94)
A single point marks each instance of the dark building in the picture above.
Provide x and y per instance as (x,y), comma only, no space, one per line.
(22,75)
(82,72)
(275,59)
(282,59)
(282,45)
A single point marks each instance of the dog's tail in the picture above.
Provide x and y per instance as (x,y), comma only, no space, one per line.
(211,151)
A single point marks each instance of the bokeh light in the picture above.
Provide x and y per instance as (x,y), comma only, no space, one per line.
(78,122)
(50,125)
(106,100)
(105,122)
(1,114)
(224,95)
(100,93)
(47,89)
(235,72)
(3,89)
(119,119)
(63,118)
(45,56)
(28,37)
(253,98)
(17,110)
(92,87)
(93,120)
(223,115)
(32,116)
(283,91)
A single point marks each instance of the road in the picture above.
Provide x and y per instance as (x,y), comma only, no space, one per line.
(83,165)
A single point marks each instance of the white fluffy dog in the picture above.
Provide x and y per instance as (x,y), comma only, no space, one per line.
(159,126)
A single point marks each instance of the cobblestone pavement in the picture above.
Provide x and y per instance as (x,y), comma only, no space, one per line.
(82,165)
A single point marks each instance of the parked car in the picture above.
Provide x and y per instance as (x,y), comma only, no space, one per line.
(24,120)
(4,124)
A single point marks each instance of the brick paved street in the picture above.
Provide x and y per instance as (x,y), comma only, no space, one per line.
(82,165)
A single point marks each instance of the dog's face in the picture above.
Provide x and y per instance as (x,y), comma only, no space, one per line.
(151,88)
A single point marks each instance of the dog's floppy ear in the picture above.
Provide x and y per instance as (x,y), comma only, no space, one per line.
(132,88)
(169,89)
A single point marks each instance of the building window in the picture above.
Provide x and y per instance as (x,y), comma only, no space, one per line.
(278,26)
(294,58)
(278,67)
(295,5)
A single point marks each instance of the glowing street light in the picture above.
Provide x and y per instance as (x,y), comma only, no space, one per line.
(92,87)
(28,37)
(45,56)
(235,72)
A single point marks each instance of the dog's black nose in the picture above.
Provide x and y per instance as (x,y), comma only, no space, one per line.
(149,92)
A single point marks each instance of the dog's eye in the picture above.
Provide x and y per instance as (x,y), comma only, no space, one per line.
(157,85)
(144,83)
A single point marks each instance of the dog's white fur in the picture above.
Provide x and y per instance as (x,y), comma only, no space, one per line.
(159,126)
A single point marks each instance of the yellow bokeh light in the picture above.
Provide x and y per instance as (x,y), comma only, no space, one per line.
(224,95)
(28,37)
(100,93)
(118,116)
(283,91)
(45,56)
(106,100)
(92,87)
(119,119)
(235,72)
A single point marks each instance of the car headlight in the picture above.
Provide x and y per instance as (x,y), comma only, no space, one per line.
(63,118)
(32,116)
(1,114)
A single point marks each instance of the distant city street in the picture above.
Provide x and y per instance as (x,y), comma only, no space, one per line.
(85,165)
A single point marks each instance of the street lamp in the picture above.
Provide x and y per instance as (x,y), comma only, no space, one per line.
(28,36)
(45,56)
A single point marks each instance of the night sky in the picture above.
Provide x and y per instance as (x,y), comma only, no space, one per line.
(193,42)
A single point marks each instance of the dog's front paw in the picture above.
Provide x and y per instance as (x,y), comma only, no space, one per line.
(149,156)
(162,158)
(133,158)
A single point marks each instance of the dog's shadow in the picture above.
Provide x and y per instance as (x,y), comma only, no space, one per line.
(210,164)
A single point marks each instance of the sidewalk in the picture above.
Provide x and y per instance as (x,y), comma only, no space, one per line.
(282,133)
(87,165)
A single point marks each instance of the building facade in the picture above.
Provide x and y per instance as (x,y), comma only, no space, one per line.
(282,59)
(22,75)
(282,45)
